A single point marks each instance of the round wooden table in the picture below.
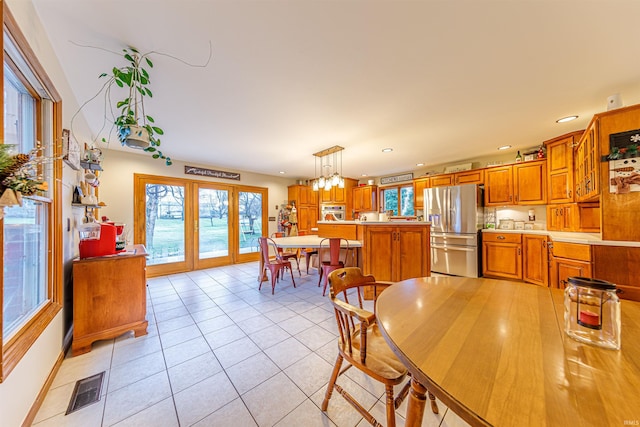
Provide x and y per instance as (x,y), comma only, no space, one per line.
(495,353)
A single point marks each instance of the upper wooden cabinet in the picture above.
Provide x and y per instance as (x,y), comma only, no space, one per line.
(302,195)
(474,176)
(560,167)
(587,165)
(443,180)
(365,198)
(339,195)
(518,184)
(419,185)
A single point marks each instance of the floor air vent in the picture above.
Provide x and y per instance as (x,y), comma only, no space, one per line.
(86,392)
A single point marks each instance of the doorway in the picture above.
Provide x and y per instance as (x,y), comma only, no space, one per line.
(190,225)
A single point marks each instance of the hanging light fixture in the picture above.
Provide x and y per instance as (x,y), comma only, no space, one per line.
(330,171)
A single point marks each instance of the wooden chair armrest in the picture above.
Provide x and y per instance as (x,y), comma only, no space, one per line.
(362,315)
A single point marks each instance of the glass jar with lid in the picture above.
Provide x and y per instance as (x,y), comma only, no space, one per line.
(592,312)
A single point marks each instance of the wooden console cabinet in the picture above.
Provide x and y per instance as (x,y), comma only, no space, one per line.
(109,297)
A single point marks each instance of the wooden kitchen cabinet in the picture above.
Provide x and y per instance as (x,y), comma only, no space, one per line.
(535,268)
(518,184)
(340,196)
(474,176)
(365,198)
(306,201)
(419,185)
(582,217)
(502,255)
(619,265)
(442,180)
(393,253)
(560,167)
(567,260)
(587,164)
(109,297)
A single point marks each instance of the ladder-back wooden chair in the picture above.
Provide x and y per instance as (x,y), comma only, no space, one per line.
(361,345)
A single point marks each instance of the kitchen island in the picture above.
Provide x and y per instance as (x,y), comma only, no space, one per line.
(391,250)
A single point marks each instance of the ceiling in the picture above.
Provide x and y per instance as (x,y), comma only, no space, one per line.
(437,81)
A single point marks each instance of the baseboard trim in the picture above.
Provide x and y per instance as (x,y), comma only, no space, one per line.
(28,421)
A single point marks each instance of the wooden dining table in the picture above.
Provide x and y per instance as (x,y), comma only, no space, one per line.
(495,353)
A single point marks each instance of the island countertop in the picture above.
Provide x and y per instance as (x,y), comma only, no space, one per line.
(358,222)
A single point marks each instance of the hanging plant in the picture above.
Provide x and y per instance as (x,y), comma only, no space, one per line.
(134,127)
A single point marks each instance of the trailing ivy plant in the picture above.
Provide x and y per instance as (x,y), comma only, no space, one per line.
(136,78)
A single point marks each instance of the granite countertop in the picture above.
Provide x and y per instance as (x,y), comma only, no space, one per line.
(570,237)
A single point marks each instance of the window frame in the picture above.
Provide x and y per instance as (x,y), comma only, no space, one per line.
(398,188)
(17,346)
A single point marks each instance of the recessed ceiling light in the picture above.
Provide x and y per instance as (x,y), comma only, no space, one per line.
(387,150)
(282,172)
(364,174)
(504,147)
(566,119)
(419,164)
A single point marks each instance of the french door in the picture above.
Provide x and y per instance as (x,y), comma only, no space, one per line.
(189,225)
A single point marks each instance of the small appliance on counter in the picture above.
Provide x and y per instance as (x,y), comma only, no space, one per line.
(100,239)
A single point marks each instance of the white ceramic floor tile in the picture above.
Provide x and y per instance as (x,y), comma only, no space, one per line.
(224,336)
(55,403)
(251,372)
(214,324)
(90,415)
(185,351)
(287,352)
(254,324)
(295,324)
(339,410)
(127,350)
(179,336)
(315,337)
(310,373)
(318,314)
(236,352)
(204,398)
(162,414)
(136,397)
(192,371)
(306,415)
(269,337)
(234,414)
(175,323)
(135,370)
(273,399)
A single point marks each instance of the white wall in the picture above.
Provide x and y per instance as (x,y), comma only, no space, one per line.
(19,391)
(116,182)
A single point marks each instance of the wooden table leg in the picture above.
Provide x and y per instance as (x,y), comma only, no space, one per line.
(415,407)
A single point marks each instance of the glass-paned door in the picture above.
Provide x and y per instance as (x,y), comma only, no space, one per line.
(165,224)
(212,243)
(250,222)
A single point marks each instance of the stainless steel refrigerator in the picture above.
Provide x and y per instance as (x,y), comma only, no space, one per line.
(456,215)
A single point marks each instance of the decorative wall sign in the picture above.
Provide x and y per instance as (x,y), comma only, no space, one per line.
(70,150)
(624,162)
(624,144)
(193,170)
(396,178)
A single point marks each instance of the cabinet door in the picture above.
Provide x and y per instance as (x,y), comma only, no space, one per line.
(554,222)
(475,176)
(498,186)
(339,195)
(357,199)
(326,196)
(560,168)
(536,259)
(587,165)
(413,253)
(365,202)
(442,180)
(530,183)
(502,260)
(419,186)
(378,252)
(562,269)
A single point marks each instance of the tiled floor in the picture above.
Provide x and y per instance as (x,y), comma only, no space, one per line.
(221,353)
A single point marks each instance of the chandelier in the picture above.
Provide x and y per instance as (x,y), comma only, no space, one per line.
(330,169)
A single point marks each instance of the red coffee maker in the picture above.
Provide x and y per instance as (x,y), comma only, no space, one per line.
(104,244)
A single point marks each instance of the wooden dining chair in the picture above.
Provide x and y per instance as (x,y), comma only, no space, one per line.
(308,252)
(362,346)
(288,255)
(274,265)
(326,264)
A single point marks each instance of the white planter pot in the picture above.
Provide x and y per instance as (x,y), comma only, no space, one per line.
(138,138)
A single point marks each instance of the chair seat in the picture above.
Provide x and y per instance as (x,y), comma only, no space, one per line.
(380,361)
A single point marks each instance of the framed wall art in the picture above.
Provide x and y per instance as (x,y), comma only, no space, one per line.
(70,150)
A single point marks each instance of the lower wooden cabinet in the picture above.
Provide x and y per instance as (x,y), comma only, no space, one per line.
(567,260)
(619,265)
(583,217)
(535,268)
(502,255)
(109,298)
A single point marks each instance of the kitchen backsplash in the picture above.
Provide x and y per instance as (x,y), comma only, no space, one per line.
(517,214)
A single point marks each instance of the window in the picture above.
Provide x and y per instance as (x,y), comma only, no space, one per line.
(30,284)
(399,200)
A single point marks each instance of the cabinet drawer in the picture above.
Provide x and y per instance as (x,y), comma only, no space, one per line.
(571,251)
(502,237)
(346,231)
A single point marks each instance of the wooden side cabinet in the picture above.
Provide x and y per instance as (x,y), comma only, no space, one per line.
(109,297)
(567,260)
(535,268)
(502,255)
